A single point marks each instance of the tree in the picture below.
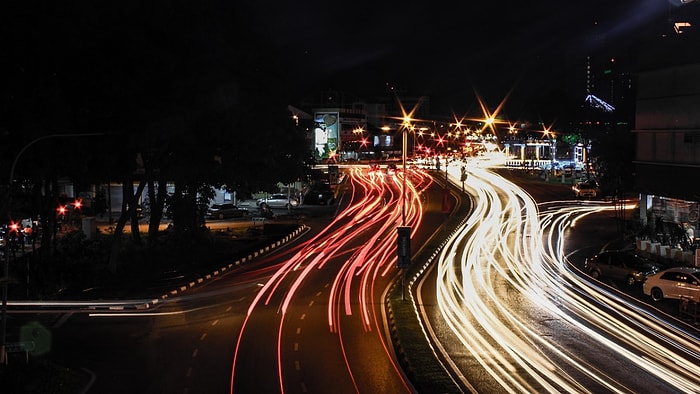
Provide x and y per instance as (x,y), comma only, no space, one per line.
(202,105)
(615,151)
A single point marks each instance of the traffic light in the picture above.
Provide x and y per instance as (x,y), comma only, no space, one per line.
(78,203)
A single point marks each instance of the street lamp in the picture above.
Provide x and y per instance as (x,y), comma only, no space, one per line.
(403,239)
(404,146)
(403,232)
(3,334)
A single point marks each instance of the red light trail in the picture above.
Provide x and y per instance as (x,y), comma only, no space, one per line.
(363,239)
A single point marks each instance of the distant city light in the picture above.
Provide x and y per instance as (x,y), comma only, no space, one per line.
(680,27)
(597,103)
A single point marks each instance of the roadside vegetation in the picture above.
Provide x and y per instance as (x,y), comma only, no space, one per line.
(221,122)
(79,268)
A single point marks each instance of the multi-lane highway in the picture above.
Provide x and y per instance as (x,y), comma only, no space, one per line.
(318,324)
(503,302)
(513,315)
(308,317)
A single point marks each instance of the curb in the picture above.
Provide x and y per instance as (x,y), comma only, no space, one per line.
(224,269)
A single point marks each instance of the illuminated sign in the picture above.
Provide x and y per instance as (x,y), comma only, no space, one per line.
(326,134)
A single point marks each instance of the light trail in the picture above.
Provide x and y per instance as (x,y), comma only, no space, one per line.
(366,232)
(507,246)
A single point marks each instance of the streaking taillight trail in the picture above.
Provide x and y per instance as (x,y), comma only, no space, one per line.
(363,239)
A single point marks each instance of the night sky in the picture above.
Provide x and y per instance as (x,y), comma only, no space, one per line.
(447,50)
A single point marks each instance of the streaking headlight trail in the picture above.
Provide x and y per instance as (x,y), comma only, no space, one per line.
(506,264)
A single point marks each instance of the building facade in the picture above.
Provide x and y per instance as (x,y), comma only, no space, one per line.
(667,130)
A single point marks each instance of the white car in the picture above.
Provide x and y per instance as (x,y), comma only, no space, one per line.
(678,282)
(278,201)
(586,189)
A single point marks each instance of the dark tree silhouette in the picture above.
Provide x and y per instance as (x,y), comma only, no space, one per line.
(182,92)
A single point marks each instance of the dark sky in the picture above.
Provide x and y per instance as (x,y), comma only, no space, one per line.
(446,50)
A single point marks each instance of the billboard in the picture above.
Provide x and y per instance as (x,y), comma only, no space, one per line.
(326,134)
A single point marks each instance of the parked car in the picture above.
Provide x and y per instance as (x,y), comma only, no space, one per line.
(278,201)
(587,189)
(674,283)
(226,210)
(621,265)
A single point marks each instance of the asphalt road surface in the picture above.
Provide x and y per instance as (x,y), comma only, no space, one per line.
(510,312)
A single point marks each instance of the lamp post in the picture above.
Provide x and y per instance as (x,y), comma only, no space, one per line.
(403,232)
(6,270)
(403,185)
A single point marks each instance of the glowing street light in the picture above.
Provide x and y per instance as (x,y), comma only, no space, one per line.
(404,146)
(403,232)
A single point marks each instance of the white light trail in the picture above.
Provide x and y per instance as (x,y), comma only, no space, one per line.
(507,246)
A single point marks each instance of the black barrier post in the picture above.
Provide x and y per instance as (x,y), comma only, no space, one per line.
(403,249)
